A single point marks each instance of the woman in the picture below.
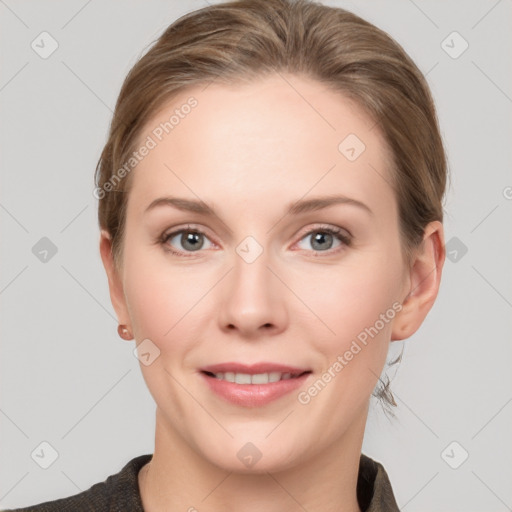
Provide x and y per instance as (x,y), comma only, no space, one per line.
(251,134)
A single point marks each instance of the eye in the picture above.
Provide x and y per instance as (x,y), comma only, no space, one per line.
(322,239)
(191,240)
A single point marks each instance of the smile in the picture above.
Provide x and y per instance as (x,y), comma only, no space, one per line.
(253,390)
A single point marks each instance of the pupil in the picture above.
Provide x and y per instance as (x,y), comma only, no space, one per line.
(192,239)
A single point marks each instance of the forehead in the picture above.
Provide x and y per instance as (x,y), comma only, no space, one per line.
(283,135)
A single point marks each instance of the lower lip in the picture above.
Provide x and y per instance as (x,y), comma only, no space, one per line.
(253,395)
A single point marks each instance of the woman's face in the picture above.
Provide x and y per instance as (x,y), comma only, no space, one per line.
(260,280)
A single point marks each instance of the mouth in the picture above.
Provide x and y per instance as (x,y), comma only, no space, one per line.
(253,386)
(258,373)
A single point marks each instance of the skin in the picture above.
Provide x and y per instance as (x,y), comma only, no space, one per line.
(248,151)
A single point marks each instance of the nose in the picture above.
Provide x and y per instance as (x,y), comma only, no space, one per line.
(252,298)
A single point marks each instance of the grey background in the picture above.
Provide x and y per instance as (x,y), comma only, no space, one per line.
(69,380)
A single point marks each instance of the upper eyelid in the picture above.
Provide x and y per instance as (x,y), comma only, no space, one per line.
(325,226)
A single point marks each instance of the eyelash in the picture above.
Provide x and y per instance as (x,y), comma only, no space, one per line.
(338,233)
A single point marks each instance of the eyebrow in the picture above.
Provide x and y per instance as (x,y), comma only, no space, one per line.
(294,208)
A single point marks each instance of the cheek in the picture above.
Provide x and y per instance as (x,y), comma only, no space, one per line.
(354,308)
(164,304)
(160,296)
(169,303)
(356,319)
(351,298)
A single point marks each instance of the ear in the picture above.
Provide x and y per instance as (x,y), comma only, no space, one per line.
(114,279)
(424,280)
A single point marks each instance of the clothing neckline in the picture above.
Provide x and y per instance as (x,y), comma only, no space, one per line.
(374,491)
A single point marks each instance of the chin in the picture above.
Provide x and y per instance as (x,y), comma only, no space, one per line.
(247,457)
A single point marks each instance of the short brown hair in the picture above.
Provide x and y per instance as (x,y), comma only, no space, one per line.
(247,39)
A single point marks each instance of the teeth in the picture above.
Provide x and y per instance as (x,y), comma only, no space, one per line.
(274,376)
(242,378)
(229,376)
(259,378)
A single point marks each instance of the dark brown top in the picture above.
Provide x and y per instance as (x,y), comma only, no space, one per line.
(120,492)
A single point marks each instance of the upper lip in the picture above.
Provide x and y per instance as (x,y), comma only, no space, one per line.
(253,369)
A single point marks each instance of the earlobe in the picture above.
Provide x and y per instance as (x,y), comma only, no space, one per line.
(114,279)
(425,277)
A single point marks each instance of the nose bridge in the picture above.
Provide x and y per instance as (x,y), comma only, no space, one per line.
(250,250)
(251,276)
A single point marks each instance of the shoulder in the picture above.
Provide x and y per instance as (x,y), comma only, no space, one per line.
(117,492)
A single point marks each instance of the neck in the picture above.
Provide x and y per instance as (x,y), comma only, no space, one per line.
(179,478)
